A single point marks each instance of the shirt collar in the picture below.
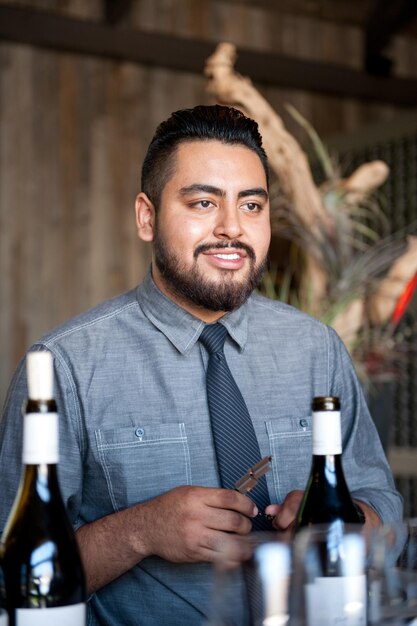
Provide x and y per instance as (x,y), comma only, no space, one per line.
(180,327)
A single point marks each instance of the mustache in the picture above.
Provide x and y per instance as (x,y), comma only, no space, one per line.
(221,245)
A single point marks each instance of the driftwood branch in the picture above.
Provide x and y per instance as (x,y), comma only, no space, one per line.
(382,303)
(364,180)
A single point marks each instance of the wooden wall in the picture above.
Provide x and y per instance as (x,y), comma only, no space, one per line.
(73,131)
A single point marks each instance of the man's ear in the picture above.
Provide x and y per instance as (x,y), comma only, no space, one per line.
(145,217)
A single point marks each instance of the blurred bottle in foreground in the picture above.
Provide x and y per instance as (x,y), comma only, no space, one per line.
(42,580)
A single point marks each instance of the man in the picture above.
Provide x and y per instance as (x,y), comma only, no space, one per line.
(138,465)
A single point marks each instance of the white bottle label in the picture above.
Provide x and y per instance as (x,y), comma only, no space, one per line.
(336,601)
(40,438)
(327,433)
(73,615)
(3,618)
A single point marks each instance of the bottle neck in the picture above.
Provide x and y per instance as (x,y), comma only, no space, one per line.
(40,406)
(330,463)
(42,472)
(39,482)
(327,470)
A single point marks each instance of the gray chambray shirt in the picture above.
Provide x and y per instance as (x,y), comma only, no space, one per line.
(134,423)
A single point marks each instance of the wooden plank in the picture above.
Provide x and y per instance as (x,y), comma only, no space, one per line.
(345,11)
(49,30)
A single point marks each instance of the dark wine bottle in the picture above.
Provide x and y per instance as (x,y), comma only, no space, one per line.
(326,497)
(42,575)
(332,548)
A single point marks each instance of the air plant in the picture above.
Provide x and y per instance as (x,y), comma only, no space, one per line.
(370,275)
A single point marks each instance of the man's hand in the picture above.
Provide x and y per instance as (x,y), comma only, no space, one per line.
(372,520)
(285,513)
(191,524)
(184,525)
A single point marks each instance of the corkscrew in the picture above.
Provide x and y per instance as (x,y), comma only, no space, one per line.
(247,482)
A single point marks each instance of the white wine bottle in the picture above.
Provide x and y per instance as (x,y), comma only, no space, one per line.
(327,497)
(43,578)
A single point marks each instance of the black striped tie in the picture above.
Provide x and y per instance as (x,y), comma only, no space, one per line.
(235,440)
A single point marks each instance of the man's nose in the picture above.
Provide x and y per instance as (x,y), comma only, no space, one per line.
(228,224)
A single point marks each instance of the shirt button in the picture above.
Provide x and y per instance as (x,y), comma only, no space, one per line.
(139,432)
(303,423)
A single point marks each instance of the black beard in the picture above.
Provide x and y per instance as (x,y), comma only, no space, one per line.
(192,286)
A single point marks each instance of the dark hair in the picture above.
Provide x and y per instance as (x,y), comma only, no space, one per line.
(201,123)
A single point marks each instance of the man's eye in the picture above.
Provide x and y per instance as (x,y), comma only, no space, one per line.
(204,204)
(252,207)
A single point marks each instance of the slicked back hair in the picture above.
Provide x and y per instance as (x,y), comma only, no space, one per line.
(201,123)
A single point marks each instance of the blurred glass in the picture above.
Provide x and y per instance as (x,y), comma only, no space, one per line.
(327,575)
(328,586)
(392,574)
(255,592)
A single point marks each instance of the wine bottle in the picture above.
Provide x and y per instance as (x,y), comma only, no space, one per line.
(43,579)
(332,551)
(327,497)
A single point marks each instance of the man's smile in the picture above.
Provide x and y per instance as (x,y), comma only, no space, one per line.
(226,257)
(232,251)
(230,257)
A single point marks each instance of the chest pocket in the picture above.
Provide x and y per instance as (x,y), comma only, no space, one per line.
(143,461)
(291,449)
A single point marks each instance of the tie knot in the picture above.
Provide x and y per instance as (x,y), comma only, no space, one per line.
(213,337)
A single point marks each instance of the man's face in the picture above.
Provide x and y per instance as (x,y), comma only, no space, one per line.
(212,231)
